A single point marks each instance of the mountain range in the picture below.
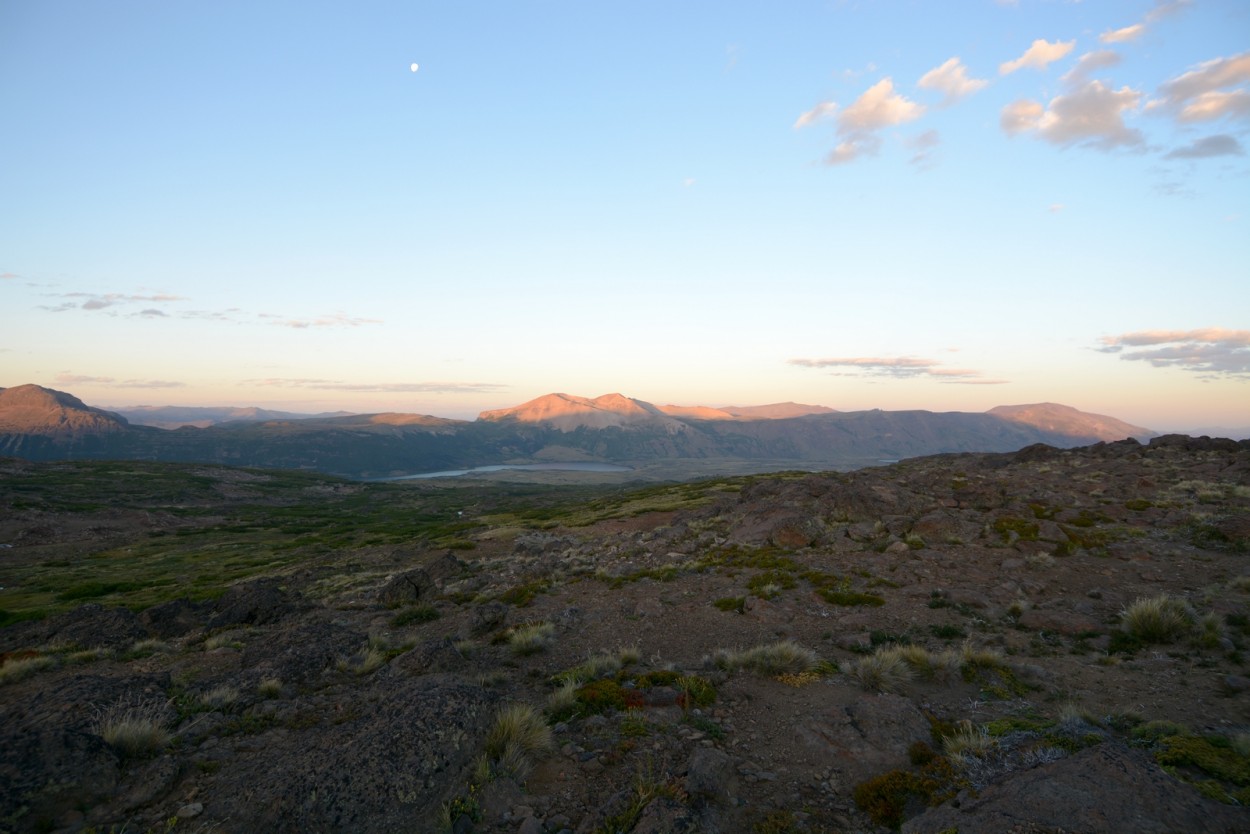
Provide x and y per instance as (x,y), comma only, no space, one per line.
(43,424)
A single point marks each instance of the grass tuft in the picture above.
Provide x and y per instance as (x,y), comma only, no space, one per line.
(20,668)
(783,657)
(518,734)
(885,670)
(1159,619)
(531,639)
(136,728)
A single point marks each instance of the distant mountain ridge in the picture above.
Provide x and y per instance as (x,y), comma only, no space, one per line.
(201,417)
(42,424)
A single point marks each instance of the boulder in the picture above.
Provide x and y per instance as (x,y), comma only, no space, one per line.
(1105,789)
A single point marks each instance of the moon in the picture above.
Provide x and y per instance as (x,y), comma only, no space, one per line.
(414,67)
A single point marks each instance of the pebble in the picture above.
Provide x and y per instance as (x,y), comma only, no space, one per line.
(190,811)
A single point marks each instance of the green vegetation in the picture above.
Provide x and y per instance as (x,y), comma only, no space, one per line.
(416,614)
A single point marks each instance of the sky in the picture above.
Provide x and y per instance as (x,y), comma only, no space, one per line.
(897,205)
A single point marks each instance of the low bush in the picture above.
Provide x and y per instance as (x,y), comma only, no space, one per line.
(1160,619)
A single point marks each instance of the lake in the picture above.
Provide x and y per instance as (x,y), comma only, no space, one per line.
(531,467)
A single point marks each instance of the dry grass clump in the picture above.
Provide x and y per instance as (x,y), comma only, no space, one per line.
(220,697)
(1159,619)
(600,665)
(134,727)
(20,668)
(885,670)
(531,638)
(519,733)
(269,688)
(969,740)
(783,657)
(563,698)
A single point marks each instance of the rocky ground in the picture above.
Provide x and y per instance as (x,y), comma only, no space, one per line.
(952,643)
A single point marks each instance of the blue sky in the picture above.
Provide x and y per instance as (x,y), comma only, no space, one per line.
(858,204)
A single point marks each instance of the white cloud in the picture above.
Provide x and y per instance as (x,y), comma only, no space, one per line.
(951,79)
(1203,94)
(1088,64)
(1038,56)
(1091,115)
(1221,144)
(1128,33)
(1213,352)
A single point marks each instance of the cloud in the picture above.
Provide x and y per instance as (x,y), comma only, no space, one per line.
(333,320)
(924,147)
(897,367)
(1202,93)
(1092,115)
(1089,63)
(8,276)
(1055,208)
(1020,116)
(821,112)
(152,312)
(879,107)
(1038,56)
(102,301)
(1128,33)
(951,79)
(67,378)
(1220,144)
(1213,352)
(382,387)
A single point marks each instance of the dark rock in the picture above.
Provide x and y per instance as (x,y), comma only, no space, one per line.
(711,777)
(300,654)
(174,618)
(664,815)
(1105,789)
(486,618)
(409,586)
(430,656)
(90,626)
(408,749)
(867,737)
(254,603)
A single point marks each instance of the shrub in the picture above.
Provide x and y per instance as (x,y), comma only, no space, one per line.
(136,727)
(1160,619)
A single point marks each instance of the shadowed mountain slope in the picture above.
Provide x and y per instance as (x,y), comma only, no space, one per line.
(41,424)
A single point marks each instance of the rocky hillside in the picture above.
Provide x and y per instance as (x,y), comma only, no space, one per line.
(611,428)
(1044,641)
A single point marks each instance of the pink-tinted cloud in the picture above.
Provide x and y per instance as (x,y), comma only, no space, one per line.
(1091,115)
(67,378)
(1212,90)
(896,367)
(1214,352)
(380,387)
(1038,56)
(951,79)
(1088,64)
(332,320)
(858,124)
